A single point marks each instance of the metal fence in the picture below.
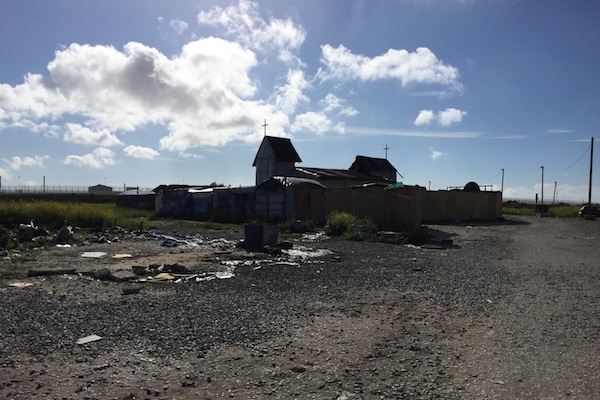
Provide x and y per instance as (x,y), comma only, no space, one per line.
(27,189)
(546,201)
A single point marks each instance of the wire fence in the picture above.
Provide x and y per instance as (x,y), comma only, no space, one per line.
(96,190)
(546,201)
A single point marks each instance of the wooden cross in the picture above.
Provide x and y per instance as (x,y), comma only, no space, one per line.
(386,148)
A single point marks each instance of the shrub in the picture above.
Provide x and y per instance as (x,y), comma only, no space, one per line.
(338,223)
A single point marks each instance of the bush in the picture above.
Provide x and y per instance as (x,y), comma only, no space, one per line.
(338,223)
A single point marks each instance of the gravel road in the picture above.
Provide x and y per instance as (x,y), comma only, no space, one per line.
(509,311)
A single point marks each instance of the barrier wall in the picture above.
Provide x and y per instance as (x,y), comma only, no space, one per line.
(396,209)
(458,205)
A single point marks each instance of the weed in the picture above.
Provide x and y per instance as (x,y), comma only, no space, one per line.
(338,223)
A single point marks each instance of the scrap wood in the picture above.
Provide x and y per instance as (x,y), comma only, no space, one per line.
(88,339)
(20,284)
(51,271)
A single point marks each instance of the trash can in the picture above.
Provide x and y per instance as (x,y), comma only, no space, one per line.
(253,237)
(270,235)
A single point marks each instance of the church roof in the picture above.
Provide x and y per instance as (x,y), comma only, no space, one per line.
(282,148)
(368,164)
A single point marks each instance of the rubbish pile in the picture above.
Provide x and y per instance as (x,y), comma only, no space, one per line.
(211,259)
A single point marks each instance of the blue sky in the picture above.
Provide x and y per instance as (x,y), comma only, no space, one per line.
(154,92)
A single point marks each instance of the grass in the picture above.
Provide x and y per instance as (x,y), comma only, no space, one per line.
(559,210)
(52,215)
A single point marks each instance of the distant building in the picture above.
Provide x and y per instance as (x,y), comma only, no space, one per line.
(100,189)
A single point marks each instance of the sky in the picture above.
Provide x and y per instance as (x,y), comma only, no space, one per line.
(143,93)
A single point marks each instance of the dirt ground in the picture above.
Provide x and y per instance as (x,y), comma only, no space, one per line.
(508,311)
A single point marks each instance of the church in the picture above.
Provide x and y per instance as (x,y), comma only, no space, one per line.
(277,158)
(287,191)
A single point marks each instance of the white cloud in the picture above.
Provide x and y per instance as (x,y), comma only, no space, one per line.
(16,163)
(288,96)
(199,95)
(316,122)
(178,25)
(436,155)
(332,103)
(371,131)
(560,131)
(141,152)
(99,158)
(444,118)
(82,135)
(5,173)
(421,66)
(191,155)
(424,118)
(450,116)
(243,22)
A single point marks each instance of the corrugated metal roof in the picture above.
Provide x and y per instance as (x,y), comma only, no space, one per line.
(282,148)
(367,164)
(278,181)
(328,173)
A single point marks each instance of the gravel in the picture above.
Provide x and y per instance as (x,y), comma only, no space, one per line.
(508,311)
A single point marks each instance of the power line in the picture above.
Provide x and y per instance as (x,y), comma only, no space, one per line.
(579,159)
(489,180)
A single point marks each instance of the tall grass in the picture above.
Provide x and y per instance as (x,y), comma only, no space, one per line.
(53,214)
(560,210)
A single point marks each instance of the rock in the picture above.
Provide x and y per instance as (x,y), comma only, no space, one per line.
(131,290)
(123,275)
(176,268)
(101,274)
(139,270)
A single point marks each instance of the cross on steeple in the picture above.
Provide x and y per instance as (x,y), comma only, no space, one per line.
(386,148)
(265,126)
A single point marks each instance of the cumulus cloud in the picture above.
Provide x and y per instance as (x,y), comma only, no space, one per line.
(80,134)
(421,66)
(243,22)
(291,94)
(98,159)
(446,117)
(425,117)
(208,94)
(141,152)
(450,116)
(16,162)
(316,122)
(200,95)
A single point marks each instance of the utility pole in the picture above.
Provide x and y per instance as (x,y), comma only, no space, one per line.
(590,187)
(542,186)
(554,194)
(502,187)
(265,126)
(386,148)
